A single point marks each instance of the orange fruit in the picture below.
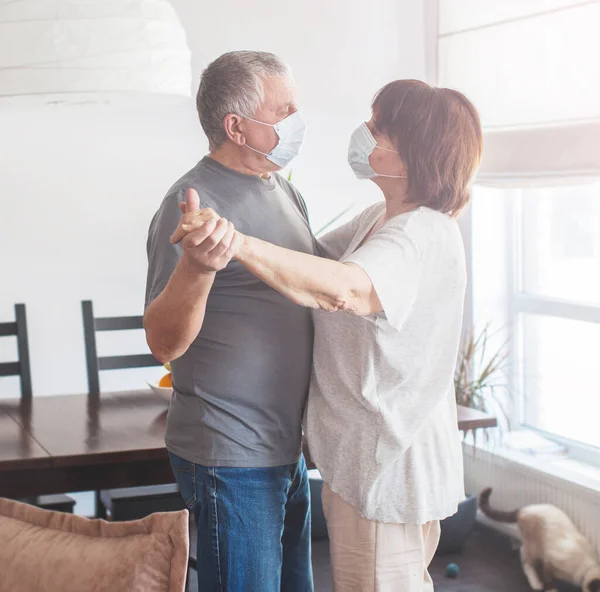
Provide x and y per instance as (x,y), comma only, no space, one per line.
(166,381)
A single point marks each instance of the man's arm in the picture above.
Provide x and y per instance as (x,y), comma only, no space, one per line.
(174,318)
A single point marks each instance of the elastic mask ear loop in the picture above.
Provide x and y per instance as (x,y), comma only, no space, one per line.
(390,176)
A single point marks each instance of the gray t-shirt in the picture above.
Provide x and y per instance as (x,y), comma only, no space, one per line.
(240,389)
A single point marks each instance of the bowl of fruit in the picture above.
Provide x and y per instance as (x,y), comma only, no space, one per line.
(164,387)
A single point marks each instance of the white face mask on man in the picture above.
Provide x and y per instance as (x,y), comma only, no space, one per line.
(291,132)
(362,144)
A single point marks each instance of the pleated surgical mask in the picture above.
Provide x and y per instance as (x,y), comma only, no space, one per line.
(362,144)
(291,132)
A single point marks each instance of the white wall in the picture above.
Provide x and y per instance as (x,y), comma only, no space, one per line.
(78,186)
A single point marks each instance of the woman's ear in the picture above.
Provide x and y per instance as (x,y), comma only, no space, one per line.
(232,124)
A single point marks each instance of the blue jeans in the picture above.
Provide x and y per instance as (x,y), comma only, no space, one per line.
(253,526)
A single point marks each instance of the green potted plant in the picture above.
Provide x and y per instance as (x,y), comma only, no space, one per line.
(479,383)
(479,378)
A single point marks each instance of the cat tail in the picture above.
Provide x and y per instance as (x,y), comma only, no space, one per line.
(498,515)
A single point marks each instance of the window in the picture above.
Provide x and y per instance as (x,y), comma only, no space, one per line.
(536,278)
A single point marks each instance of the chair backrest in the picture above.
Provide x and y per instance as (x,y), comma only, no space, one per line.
(21,368)
(95,364)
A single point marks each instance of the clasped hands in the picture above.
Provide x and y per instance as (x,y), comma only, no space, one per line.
(208,241)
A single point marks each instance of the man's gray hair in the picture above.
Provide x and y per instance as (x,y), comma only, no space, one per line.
(233,83)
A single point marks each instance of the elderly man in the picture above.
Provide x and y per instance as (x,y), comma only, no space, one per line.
(241,353)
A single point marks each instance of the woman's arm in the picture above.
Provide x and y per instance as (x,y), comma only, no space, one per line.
(382,275)
(308,280)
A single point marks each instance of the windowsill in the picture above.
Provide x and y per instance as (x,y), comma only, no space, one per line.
(576,472)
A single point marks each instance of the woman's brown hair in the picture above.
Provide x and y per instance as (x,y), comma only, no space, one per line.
(437,132)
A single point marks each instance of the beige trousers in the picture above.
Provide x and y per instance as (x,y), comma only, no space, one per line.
(368,556)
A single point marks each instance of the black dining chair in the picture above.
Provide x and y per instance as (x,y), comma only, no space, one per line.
(133,502)
(22,369)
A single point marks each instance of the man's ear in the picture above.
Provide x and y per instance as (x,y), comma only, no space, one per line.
(232,125)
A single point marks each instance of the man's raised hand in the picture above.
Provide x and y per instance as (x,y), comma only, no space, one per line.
(206,238)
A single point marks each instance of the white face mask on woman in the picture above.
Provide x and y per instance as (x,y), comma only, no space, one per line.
(290,131)
(362,144)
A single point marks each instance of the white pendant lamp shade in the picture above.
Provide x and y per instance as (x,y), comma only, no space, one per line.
(79,51)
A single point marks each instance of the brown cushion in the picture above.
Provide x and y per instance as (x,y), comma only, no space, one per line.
(46,551)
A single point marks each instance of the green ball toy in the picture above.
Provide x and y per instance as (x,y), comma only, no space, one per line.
(452,570)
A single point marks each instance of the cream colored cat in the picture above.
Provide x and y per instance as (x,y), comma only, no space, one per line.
(552,546)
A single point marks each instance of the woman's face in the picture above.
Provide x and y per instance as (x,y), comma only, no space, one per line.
(385,162)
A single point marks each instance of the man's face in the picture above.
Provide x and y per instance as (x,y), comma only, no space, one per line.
(279,103)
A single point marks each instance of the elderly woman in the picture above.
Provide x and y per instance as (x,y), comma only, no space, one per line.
(381,417)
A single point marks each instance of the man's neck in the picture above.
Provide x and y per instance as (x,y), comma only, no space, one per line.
(234,162)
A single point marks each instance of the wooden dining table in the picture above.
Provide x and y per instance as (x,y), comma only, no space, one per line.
(74,443)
